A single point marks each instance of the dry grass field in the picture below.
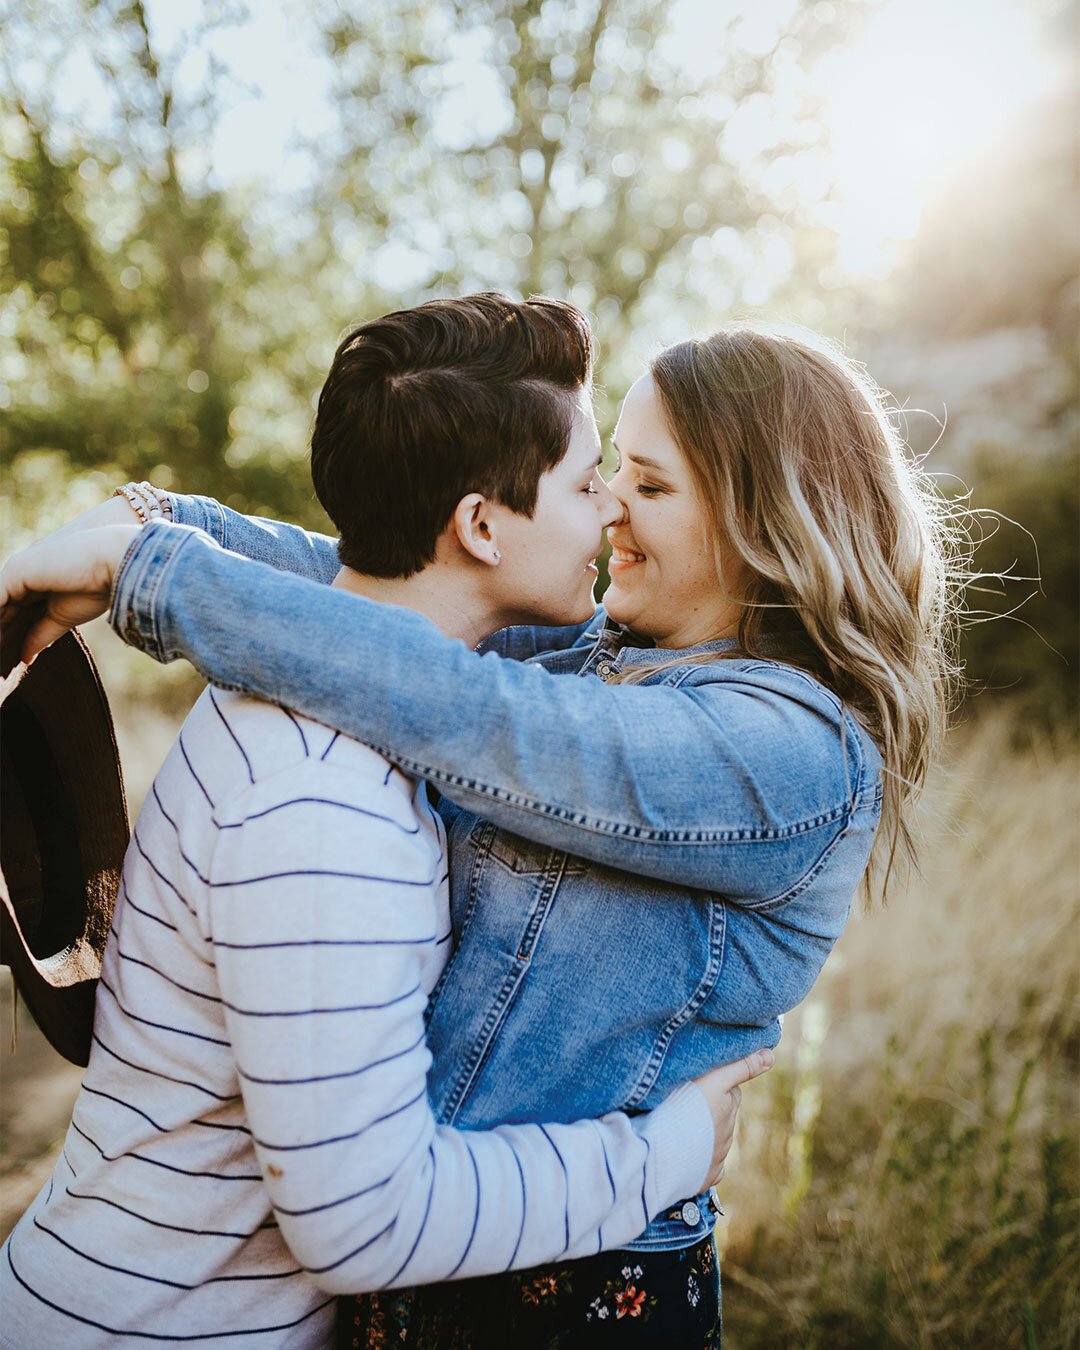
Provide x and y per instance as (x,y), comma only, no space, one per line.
(907,1175)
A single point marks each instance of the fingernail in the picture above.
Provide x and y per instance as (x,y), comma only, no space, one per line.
(768,1058)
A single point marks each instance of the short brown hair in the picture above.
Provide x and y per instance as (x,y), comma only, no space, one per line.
(428,404)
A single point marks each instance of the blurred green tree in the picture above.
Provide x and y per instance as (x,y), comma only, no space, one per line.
(144,319)
(164,325)
(584,148)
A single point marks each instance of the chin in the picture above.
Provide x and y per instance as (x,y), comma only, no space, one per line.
(573,611)
(614,608)
(574,614)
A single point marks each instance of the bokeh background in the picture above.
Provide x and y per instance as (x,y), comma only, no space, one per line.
(195,201)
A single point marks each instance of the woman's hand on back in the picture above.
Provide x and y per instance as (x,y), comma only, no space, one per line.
(723,1092)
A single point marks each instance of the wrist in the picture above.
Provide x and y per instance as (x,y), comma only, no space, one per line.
(118,511)
(681,1135)
(112,542)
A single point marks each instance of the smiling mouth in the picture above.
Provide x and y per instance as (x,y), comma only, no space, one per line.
(624,557)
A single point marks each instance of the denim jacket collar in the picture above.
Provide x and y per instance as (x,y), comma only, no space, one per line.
(634,650)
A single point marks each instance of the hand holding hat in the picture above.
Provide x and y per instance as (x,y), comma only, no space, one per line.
(58,583)
(65,825)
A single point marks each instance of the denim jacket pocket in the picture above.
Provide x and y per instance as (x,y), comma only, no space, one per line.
(520,855)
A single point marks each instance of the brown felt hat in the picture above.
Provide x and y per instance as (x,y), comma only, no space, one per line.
(64,832)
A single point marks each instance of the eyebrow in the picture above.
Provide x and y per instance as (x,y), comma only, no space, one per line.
(643,460)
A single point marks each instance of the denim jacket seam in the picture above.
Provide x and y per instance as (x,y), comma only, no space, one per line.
(852,738)
(686,835)
(459,933)
(808,877)
(870,789)
(201,513)
(803,676)
(138,604)
(482,1047)
(486,1036)
(662,1243)
(223,526)
(156,578)
(693,1005)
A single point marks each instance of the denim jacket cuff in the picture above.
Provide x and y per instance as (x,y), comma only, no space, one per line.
(680,1135)
(141,574)
(202,512)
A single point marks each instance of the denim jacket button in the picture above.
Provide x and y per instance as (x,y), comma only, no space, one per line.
(605,668)
(691,1215)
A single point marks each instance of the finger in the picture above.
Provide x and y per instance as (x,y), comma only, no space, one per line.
(43,634)
(12,590)
(743,1070)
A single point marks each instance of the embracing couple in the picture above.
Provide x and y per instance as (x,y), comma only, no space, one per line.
(453,884)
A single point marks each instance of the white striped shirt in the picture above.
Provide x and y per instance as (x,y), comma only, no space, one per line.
(253,1133)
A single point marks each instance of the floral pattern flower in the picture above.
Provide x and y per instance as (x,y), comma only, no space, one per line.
(544,1286)
(628,1302)
(668,1298)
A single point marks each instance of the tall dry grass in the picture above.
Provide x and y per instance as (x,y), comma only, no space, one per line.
(907,1175)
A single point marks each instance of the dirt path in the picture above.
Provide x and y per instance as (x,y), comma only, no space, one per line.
(37,1089)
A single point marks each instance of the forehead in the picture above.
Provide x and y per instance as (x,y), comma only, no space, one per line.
(584,447)
(642,425)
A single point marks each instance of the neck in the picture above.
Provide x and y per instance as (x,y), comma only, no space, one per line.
(437,593)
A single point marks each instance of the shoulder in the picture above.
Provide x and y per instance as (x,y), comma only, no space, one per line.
(267,738)
(769,677)
(797,727)
(276,756)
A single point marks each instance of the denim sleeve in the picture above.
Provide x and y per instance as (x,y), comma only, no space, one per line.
(722,783)
(286,547)
(291,549)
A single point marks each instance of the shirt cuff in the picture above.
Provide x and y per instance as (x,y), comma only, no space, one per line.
(680,1134)
(142,573)
(204,513)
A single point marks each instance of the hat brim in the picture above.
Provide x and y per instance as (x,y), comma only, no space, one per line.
(65,831)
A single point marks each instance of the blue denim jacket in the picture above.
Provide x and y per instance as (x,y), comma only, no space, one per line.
(643,877)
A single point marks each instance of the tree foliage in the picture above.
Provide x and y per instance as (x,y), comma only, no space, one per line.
(162,327)
(163,323)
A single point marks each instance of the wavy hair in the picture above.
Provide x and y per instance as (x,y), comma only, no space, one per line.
(853,558)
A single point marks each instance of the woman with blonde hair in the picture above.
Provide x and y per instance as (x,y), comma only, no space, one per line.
(649,863)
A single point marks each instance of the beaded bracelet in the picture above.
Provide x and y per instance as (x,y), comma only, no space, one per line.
(148,502)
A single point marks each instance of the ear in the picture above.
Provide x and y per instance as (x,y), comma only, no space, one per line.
(473,524)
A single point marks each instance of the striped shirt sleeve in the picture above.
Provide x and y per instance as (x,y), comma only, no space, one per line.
(322,919)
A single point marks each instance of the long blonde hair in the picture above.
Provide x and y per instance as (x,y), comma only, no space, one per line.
(851,553)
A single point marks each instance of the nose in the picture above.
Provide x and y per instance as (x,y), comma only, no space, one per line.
(609,505)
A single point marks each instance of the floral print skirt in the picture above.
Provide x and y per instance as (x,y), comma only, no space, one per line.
(619,1298)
